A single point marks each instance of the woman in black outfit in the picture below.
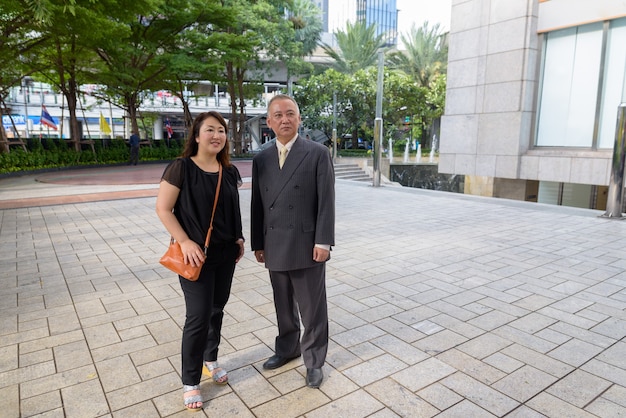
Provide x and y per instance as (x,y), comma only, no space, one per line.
(184,205)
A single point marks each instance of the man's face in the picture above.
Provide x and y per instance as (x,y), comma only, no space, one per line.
(283,118)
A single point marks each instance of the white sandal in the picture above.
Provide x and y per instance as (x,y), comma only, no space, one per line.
(215,372)
(192,399)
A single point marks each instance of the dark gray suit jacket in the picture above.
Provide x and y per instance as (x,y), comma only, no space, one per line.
(294,208)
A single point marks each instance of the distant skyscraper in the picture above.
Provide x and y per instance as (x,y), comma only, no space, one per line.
(382,13)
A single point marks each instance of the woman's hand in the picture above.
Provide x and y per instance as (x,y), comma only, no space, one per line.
(239,242)
(192,252)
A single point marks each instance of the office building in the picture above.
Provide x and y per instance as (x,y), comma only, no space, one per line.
(532,99)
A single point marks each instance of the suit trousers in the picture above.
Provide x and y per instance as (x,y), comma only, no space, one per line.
(205,300)
(304,291)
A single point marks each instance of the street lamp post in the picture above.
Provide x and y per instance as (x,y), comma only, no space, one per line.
(378,122)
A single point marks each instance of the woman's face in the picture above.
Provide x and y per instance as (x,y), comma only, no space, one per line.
(212,136)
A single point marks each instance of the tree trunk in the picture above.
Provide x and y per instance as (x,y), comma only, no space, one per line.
(242,112)
(232,121)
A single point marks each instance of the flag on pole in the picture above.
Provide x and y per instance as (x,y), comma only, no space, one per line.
(169,129)
(46,119)
(104,126)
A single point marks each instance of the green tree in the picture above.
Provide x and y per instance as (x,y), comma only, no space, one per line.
(307,23)
(425,56)
(358,48)
(20,35)
(64,58)
(356,101)
(139,58)
(261,37)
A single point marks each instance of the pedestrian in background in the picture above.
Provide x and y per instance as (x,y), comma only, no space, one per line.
(134,149)
(292,231)
(184,205)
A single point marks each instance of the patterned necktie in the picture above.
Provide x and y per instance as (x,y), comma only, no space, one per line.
(282,157)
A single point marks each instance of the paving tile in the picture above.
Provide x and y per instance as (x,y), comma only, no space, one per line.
(399,399)
(575,352)
(156,368)
(357,335)
(457,325)
(143,409)
(615,355)
(228,405)
(402,350)
(384,413)
(356,404)
(138,392)
(72,355)
(606,371)
(440,342)
(523,338)
(101,335)
(292,379)
(10,401)
(439,396)
(252,387)
(465,408)
(40,404)
(480,394)
(551,406)
(294,404)
(475,368)
(524,383)
(484,345)
(117,373)
(503,362)
(46,382)
(8,358)
(605,408)
(335,384)
(579,388)
(423,374)
(41,356)
(374,369)
(583,334)
(84,400)
(399,330)
(121,348)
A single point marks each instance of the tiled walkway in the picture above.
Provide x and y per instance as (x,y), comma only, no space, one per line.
(440,305)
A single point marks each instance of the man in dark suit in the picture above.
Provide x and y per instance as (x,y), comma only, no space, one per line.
(292,230)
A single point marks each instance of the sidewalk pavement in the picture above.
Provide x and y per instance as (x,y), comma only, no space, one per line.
(440,305)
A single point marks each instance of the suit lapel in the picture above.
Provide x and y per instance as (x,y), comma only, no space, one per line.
(295,157)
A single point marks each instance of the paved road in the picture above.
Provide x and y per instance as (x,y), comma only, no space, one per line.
(440,305)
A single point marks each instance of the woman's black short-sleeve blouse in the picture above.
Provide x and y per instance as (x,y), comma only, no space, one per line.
(195,201)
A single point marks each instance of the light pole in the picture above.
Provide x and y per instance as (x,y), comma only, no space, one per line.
(25,82)
(378,122)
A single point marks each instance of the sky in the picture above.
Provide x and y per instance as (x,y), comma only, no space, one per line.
(418,11)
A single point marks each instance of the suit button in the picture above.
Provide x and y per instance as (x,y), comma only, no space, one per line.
(271,227)
(271,207)
(290,207)
(290,226)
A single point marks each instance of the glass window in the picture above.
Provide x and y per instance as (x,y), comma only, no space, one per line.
(613,92)
(569,87)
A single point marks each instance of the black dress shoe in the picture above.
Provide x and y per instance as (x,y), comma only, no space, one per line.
(314,378)
(277,361)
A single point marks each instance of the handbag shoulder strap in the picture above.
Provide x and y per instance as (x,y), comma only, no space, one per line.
(217,194)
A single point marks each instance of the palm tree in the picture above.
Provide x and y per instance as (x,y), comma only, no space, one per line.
(426,54)
(307,23)
(306,19)
(357,49)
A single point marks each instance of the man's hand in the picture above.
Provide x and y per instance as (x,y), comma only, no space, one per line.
(320,255)
(260,256)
